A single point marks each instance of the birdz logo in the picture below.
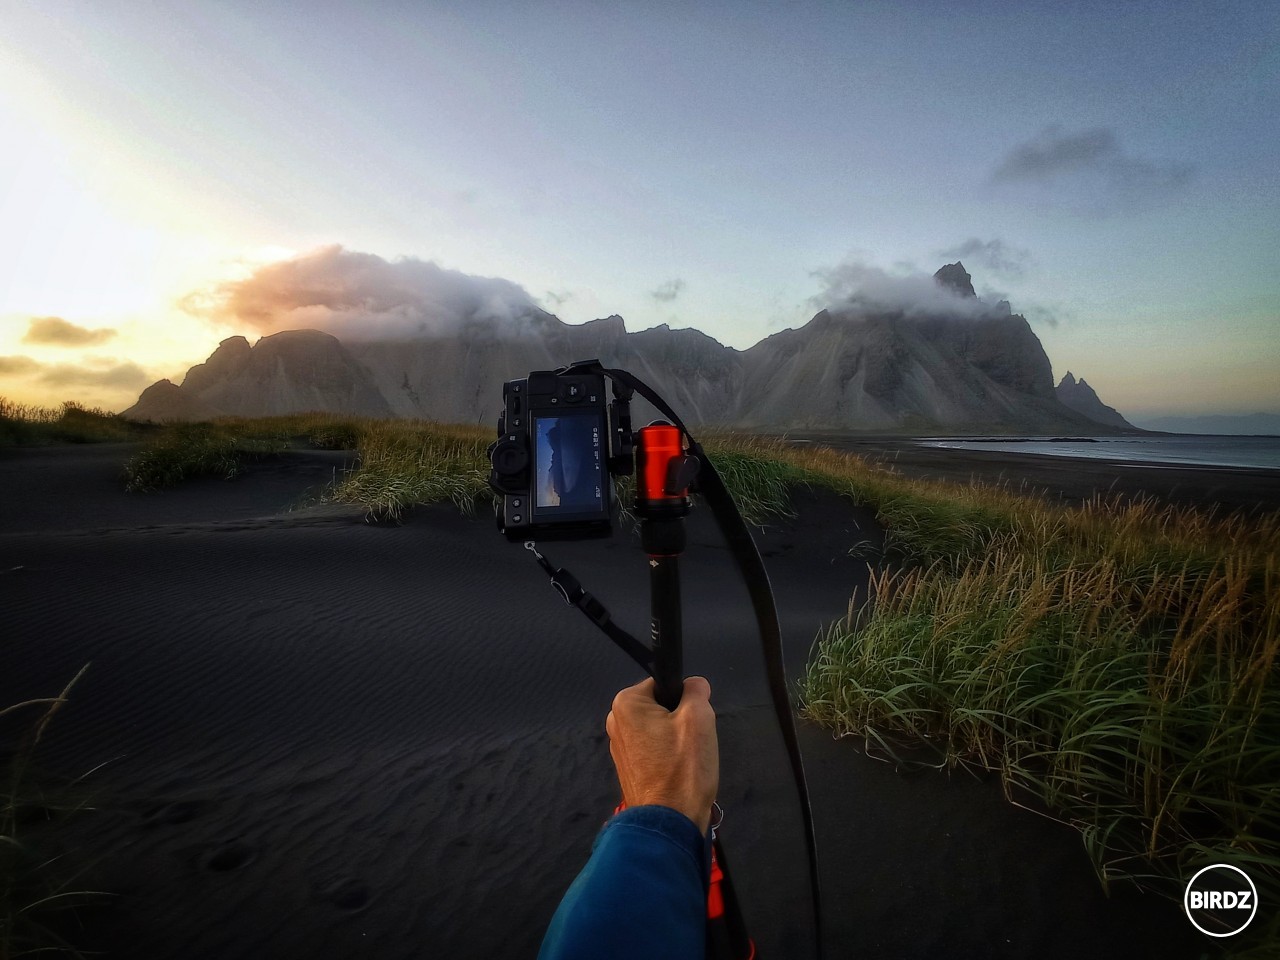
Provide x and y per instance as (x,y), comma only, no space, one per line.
(1220,900)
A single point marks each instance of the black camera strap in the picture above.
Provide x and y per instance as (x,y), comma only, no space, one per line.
(747,557)
(567,586)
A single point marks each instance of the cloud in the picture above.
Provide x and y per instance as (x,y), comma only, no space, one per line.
(18,366)
(994,254)
(104,372)
(557,299)
(854,286)
(58,332)
(361,296)
(1051,154)
(1048,316)
(668,291)
(1093,165)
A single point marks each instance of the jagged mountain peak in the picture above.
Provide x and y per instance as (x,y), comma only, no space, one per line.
(955,277)
(1077,395)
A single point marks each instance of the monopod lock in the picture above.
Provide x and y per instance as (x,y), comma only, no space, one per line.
(559,444)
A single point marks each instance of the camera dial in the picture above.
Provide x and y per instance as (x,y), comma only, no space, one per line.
(510,459)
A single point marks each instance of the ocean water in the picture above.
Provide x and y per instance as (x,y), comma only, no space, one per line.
(1218,451)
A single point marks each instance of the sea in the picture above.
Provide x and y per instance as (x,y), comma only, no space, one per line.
(1192,449)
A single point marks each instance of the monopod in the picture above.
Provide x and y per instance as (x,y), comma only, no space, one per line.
(663,474)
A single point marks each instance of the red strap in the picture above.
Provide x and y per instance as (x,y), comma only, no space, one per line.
(715,899)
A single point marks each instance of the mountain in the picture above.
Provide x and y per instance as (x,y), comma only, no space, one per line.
(1080,397)
(949,363)
(289,372)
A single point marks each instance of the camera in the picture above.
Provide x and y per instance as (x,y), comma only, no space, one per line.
(560,443)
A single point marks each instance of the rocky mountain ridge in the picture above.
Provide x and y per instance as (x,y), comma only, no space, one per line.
(869,367)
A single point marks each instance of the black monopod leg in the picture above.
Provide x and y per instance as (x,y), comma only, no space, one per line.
(662,502)
(663,540)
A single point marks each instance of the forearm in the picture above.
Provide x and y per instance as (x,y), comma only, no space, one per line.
(643,893)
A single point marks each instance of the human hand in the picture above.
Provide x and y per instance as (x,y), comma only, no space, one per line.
(669,758)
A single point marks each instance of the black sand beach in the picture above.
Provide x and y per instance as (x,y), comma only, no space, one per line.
(323,737)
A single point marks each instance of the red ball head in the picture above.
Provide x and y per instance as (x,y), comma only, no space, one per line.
(659,445)
(663,471)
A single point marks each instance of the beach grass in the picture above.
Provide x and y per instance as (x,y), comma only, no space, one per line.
(38,899)
(1115,662)
(403,463)
(222,447)
(27,425)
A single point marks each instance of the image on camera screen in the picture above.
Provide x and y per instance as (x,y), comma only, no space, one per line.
(567,474)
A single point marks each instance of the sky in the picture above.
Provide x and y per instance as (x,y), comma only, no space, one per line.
(176,173)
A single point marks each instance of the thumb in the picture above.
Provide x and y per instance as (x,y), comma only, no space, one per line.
(697,689)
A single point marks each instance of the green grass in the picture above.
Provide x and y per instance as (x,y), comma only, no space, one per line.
(1117,663)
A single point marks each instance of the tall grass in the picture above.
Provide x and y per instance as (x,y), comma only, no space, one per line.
(37,900)
(402,463)
(1115,661)
(25,424)
(224,446)
(194,450)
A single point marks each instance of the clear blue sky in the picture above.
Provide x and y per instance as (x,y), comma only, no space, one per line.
(1110,168)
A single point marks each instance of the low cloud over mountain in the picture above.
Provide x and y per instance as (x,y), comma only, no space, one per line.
(361,296)
(888,352)
(994,254)
(857,287)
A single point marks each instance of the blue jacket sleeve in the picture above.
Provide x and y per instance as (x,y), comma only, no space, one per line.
(643,893)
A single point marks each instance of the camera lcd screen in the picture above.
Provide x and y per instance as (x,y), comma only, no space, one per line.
(568,465)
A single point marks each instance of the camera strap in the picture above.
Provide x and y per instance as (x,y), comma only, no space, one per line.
(747,557)
(567,586)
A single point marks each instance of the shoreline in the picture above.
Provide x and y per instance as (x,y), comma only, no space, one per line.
(1073,479)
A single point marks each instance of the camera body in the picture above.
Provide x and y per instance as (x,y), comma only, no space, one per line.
(560,442)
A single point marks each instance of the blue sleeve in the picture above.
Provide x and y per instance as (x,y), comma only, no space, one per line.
(643,893)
